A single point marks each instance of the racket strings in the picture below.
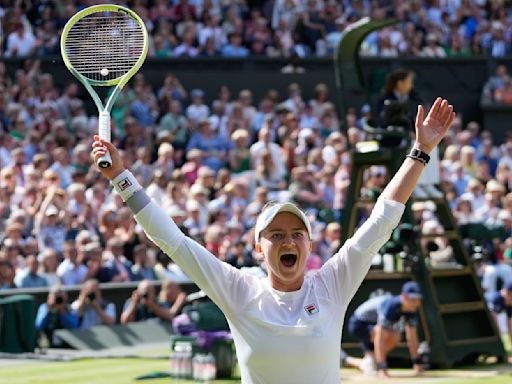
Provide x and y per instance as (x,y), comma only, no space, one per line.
(105,45)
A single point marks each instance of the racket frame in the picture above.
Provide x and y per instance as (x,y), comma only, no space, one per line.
(104,129)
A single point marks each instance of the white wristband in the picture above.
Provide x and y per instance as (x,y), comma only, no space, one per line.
(126,184)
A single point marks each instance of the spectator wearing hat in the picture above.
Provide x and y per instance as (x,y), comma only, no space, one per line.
(165,159)
(378,324)
(29,276)
(197,110)
(194,223)
(48,224)
(213,146)
(191,167)
(239,154)
(467,160)
(199,194)
(433,48)
(206,179)
(488,212)
(501,302)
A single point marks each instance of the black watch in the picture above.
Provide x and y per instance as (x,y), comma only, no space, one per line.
(419,155)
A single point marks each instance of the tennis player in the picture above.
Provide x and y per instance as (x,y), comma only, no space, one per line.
(287,327)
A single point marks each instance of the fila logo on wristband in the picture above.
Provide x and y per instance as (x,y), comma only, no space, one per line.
(311,309)
(124,184)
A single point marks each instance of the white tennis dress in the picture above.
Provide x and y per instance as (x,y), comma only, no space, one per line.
(280,337)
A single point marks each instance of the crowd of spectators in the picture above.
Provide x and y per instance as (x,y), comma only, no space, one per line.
(211,166)
(498,88)
(277,28)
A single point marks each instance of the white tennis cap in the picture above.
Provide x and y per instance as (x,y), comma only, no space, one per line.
(266,217)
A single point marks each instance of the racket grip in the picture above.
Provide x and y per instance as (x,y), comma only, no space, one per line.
(104,133)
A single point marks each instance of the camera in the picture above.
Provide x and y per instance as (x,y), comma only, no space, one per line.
(91,296)
(59,300)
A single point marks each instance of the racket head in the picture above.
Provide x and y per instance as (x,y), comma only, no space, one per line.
(102,37)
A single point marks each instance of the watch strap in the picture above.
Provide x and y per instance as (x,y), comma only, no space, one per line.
(419,155)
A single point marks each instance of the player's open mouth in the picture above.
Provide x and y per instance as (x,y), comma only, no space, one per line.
(288,259)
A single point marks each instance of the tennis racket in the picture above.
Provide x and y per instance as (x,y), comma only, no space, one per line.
(104,45)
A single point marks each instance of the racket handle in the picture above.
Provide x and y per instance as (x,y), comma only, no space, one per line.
(104,132)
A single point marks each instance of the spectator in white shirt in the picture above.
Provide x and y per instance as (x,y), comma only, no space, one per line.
(198,110)
(71,271)
(21,42)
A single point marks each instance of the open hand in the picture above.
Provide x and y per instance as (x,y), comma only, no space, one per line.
(430,130)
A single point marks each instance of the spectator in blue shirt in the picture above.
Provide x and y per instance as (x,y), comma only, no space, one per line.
(235,48)
(29,276)
(213,146)
(378,324)
(501,302)
(142,268)
(55,314)
(91,309)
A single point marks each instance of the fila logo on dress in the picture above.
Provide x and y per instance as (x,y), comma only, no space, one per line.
(311,309)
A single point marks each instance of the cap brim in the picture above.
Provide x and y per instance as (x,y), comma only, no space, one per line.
(266,217)
(414,295)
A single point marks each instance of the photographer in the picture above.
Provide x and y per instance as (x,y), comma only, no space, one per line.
(55,314)
(143,305)
(90,307)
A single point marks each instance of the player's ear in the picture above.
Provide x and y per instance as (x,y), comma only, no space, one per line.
(310,245)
